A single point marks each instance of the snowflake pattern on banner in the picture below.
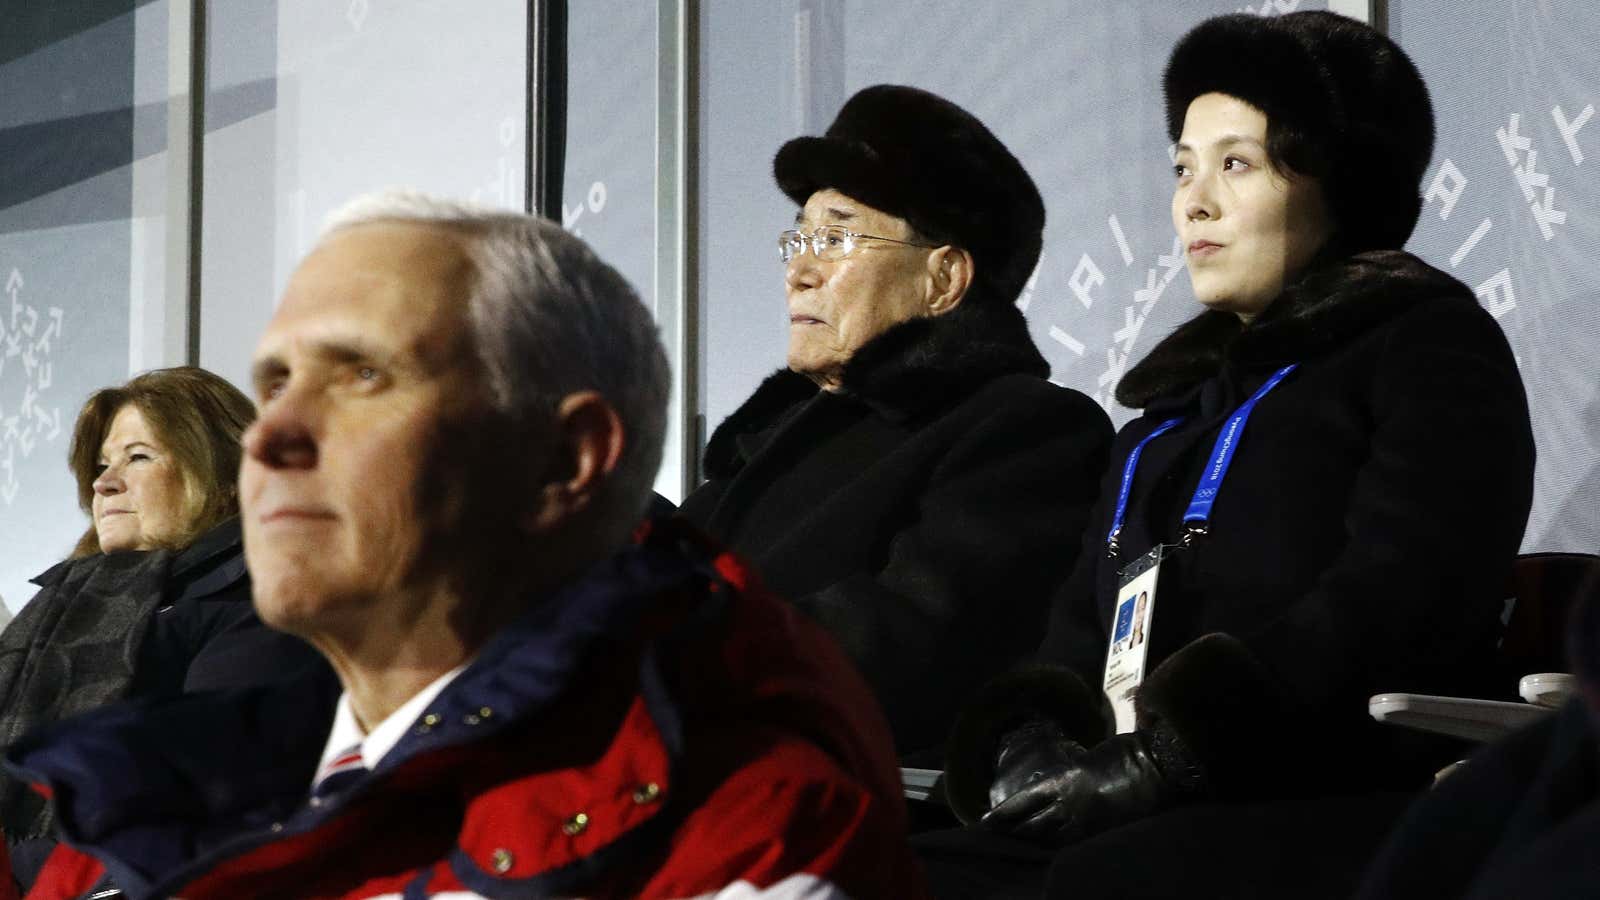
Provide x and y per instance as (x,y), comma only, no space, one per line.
(28,338)
(1271,7)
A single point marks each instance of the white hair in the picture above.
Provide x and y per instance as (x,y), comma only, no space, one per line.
(549,318)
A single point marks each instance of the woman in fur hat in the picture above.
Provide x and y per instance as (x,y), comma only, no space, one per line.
(1330,480)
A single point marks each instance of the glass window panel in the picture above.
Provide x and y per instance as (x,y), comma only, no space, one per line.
(311,103)
(608,197)
(82,217)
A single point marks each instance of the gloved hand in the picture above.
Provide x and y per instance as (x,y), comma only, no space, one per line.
(1036,750)
(1117,782)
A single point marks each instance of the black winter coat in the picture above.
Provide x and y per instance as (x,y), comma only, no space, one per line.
(1520,820)
(1361,543)
(924,514)
(112,626)
(206,636)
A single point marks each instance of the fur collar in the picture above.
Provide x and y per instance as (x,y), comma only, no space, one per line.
(1328,306)
(909,369)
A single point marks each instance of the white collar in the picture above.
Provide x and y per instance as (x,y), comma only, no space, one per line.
(377,743)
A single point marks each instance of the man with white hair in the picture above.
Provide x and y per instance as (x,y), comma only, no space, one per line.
(461,413)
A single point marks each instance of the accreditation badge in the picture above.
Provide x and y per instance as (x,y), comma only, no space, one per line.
(1130,630)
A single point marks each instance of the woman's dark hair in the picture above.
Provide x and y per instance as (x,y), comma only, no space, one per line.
(1295,152)
(198,418)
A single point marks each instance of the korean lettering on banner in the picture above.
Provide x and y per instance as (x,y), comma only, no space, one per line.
(1497,292)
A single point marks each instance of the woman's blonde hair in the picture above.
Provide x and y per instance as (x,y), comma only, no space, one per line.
(197,416)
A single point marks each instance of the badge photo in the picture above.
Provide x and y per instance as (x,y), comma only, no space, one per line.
(1125,657)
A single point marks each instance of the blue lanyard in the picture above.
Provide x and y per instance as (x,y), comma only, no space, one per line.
(1197,518)
(1128,469)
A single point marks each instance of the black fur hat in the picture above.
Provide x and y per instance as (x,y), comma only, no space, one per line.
(920,157)
(1347,89)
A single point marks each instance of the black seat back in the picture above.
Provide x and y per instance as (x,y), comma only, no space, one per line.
(1546,587)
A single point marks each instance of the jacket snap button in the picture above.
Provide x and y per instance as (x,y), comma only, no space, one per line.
(576,825)
(470,719)
(485,712)
(428,721)
(647,793)
(501,860)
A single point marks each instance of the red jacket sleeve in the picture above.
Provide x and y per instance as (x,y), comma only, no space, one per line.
(789,824)
(67,875)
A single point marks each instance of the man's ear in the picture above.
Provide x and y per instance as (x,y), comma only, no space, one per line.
(950,271)
(587,443)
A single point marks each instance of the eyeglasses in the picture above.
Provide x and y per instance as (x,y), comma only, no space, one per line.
(831,242)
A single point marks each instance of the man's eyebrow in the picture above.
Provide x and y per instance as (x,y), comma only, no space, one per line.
(265,369)
(338,351)
(834,214)
(349,349)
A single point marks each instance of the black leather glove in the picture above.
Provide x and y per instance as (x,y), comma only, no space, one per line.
(1034,751)
(1117,782)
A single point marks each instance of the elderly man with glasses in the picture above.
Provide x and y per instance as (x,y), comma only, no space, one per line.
(910,479)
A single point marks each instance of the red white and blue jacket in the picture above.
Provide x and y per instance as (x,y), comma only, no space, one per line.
(660,728)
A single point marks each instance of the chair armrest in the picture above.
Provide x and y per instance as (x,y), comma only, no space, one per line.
(919,783)
(1547,689)
(1474,720)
